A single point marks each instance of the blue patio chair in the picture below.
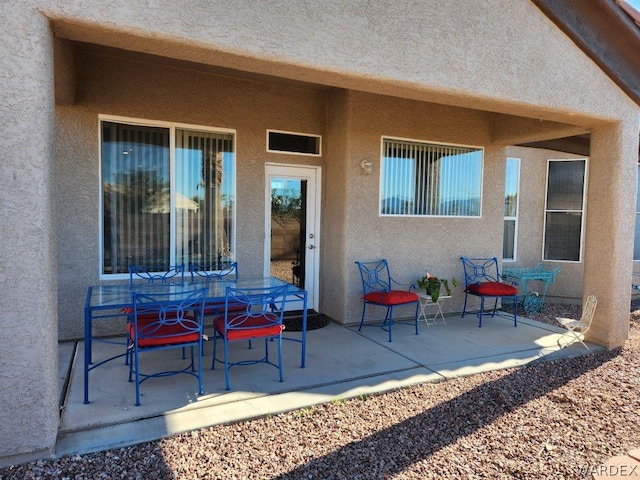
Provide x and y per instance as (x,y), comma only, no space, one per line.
(378,289)
(261,317)
(150,275)
(163,321)
(482,279)
(221,271)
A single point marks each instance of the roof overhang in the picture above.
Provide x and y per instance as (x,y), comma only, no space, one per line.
(606,32)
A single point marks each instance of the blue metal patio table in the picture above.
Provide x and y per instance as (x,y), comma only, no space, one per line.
(109,300)
(532,301)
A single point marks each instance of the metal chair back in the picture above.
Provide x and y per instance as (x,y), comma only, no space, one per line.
(480,270)
(375,276)
(173,274)
(219,271)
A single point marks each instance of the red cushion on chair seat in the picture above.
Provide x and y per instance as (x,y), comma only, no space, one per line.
(393,297)
(492,289)
(173,329)
(252,327)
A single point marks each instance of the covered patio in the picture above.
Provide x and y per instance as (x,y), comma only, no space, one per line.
(170,405)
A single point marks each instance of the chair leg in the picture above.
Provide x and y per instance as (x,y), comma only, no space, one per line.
(226,364)
(481,311)
(200,386)
(417,313)
(137,367)
(574,336)
(280,356)
(390,317)
(266,350)
(215,344)
(364,308)
(464,307)
(515,311)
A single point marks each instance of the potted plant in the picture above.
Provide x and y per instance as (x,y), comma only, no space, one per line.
(431,285)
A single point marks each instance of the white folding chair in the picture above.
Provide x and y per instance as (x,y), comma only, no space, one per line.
(577,328)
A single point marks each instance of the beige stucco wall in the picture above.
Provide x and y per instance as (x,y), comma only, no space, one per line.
(413,245)
(144,91)
(497,56)
(28,262)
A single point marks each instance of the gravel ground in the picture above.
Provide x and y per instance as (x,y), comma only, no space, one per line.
(558,419)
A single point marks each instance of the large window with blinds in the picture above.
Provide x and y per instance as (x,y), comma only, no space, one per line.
(564,208)
(167,195)
(427,179)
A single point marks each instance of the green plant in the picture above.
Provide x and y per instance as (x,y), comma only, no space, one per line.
(432,284)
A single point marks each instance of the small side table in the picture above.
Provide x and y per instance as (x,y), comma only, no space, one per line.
(426,302)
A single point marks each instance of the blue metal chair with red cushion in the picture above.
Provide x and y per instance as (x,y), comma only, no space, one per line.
(163,319)
(378,289)
(152,275)
(482,279)
(260,317)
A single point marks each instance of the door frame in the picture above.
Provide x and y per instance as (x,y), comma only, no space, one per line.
(313,175)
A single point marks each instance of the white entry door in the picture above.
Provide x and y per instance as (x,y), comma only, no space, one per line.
(292,233)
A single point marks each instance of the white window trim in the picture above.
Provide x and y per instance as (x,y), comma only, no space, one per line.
(283,152)
(515,234)
(171,126)
(432,142)
(583,211)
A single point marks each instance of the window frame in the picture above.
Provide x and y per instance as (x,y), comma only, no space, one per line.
(300,134)
(517,215)
(171,127)
(582,211)
(428,142)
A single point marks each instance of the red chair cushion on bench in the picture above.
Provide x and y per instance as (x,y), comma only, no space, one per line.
(492,289)
(393,297)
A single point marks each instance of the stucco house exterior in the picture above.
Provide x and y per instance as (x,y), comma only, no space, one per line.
(354,88)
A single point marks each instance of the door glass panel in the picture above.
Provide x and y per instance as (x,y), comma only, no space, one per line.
(288,229)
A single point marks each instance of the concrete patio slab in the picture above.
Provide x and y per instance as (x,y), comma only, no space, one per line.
(341,363)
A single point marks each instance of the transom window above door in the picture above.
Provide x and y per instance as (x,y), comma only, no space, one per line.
(168,195)
(426,179)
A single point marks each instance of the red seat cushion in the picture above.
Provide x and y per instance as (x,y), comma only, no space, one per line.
(174,329)
(492,289)
(393,297)
(253,327)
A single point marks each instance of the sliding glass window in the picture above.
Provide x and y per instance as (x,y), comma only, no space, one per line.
(168,195)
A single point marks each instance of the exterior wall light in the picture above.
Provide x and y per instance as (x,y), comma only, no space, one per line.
(367,166)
